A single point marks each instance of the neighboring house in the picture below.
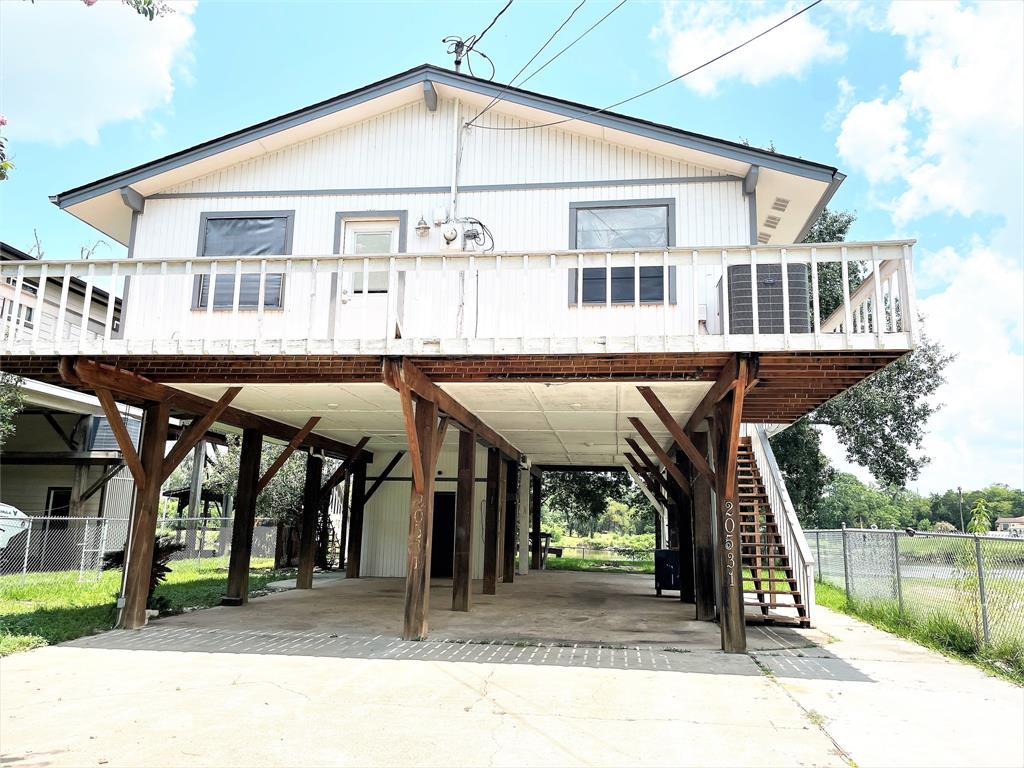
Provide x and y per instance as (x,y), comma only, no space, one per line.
(436,243)
(40,317)
(1013,526)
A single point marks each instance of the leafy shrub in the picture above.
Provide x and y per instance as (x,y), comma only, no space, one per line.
(164,547)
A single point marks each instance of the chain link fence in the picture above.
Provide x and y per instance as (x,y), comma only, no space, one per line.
(974,581)
(72,549)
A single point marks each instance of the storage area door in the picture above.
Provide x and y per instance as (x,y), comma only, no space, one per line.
(442,554)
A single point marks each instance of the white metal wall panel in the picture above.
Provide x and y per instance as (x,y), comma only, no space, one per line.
(386,518)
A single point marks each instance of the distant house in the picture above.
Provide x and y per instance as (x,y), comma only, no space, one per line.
(1014,526)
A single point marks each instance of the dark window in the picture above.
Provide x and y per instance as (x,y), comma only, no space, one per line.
(256,235)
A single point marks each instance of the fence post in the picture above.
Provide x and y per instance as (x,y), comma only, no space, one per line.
(28,546)
(896,560)
(817,544)
(981,588)
(846,567)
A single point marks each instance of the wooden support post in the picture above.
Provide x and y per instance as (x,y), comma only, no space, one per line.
(511,509)
(343,536)
(703,540)
(310,519)
(684,525)
(245,518)
(728,414)
(535,521)
(462,573)
(143,530)
(492,519)
(355,520)
(421,516)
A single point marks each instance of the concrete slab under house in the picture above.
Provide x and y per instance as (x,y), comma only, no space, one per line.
(605,293)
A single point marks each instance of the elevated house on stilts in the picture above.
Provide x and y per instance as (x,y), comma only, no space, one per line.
(452,299)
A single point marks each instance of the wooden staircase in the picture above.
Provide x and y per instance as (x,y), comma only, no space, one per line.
(769,584)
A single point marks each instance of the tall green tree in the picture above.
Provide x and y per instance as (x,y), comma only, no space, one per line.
(579,499)
(882,421)
(11,401)
(805,468)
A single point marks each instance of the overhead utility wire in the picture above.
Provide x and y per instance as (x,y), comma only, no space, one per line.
(540,50)
(649,90)
(487,29)
(570,45)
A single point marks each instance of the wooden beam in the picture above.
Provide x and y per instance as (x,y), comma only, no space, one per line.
(642,476)
(418,382)
(727,420)
(535,503)
(442,428)
(310,513)
(650,466)
(90,374)
(237,592)
(421,515)
(397,379)
(72,446)
(703,540)
(195,432)
(285,453)
(124,440)
(492,519)
(725,381)
(663,457)
(342,471)
(383,475)
(678,435)
(103,480)
(462,562)
(355,521)
(139,565)
(511,508)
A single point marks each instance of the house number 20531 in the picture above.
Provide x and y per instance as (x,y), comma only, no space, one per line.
(729,524)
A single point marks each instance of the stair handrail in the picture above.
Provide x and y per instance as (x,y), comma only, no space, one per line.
(785,517)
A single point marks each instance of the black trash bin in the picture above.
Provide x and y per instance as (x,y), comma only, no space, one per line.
(666,569)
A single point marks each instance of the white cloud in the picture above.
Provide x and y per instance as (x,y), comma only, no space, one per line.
(847,91)
(696,34)
(875,133)
(69,69)
(978,436)
(964,99)
(951,141)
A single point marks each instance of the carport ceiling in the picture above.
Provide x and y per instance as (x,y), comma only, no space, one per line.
(571,423)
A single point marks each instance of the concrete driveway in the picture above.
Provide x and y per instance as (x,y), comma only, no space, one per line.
(207,688)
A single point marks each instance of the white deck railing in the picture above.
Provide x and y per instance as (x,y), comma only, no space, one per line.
(789,528)
(469,303)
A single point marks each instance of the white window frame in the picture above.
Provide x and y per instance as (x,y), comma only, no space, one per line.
(351,227)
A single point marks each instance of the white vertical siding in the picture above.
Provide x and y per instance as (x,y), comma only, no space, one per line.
(386,518)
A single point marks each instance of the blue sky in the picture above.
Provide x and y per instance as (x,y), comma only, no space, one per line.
(919,104)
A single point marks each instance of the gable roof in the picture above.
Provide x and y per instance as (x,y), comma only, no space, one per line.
(425,77)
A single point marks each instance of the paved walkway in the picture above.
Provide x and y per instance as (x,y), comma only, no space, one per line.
(197,690)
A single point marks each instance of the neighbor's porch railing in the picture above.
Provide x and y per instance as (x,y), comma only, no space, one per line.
(466,303)
(789,528)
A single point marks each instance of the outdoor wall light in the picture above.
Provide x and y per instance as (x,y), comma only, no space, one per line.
(422,228)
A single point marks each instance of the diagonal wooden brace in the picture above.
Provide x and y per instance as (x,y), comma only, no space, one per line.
(124,440)
(288,450)
(663,457)
(678,434)
(195,433)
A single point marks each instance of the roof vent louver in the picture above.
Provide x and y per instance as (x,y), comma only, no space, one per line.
(763,237)
(772,221)
(780,204)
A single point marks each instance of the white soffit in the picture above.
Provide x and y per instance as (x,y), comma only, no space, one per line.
(571,423)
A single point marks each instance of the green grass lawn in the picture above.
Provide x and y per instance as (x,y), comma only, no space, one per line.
(46,608)
(616,565)
(941,632)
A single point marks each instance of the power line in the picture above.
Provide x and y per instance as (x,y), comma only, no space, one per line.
(540,50)
(487,29)
(570,45)
(655,88)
